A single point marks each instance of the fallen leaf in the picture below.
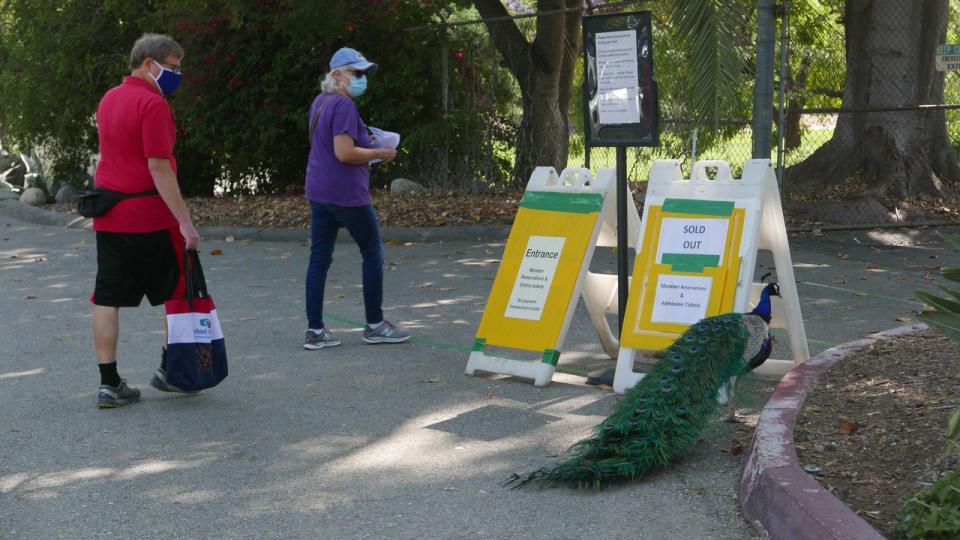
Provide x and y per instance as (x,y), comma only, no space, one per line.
(394,242)
(216,252)
(904,319)
(736,448)
(432,380)
(32,297)
(847,426)
(229,238)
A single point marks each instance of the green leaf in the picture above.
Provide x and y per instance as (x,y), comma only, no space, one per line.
(953,239)
(953,426)
(953,292)
(948,323)
(942,304)
(953,274)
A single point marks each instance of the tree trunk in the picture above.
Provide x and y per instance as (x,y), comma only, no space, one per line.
(886,156)
(544,69)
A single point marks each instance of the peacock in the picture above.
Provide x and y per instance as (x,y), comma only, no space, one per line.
(668,409)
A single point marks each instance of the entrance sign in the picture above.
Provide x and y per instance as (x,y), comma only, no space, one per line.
(544,270)
(537,270)
(698,255)
(620,101)
(948,58)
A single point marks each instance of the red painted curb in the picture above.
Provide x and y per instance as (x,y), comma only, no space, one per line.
(776,496)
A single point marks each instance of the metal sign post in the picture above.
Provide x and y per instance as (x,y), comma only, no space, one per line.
(620,105)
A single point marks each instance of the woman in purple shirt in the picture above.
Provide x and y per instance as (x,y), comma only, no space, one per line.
(338,188)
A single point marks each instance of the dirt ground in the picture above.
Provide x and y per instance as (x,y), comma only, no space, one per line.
(873,427)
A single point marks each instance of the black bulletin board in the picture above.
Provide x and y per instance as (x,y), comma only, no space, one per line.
(624,112)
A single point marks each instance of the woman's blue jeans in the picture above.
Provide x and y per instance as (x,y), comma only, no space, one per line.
(361,223)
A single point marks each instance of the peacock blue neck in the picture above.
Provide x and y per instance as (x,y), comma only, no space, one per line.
(763,309)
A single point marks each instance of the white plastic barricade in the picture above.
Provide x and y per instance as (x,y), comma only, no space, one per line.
(697,258)
(545,269)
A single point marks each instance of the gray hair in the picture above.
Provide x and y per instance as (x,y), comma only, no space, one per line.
(156,46)
(329,83)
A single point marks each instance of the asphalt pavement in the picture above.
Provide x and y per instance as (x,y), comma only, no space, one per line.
(359,441)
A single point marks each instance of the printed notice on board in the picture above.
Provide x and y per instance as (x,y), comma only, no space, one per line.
(617,80)
(692,237)
(532,286)
(681,299)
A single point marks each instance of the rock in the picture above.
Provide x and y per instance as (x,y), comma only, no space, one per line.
(402,186)
(33,196)
(66,194)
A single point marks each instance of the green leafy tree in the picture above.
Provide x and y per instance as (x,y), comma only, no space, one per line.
(887,156)
(543,61)
(251,71)
(56,59)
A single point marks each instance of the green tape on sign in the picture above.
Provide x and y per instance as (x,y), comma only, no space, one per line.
(578,203)
(551,357)
(694,206)
(685,262)
(478,344)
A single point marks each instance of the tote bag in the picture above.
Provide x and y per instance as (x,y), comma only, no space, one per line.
(196,354)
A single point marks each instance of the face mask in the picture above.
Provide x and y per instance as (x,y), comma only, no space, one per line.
(358,85)
(167,81)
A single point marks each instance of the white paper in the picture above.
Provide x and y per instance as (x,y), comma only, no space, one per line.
(537,269)
(383,139)
(681,299)
(693,237)
(617,77)
(619,106)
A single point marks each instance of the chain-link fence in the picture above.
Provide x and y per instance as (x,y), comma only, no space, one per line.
(483,101)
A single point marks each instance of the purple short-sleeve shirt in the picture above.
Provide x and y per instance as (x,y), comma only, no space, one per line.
(330,180)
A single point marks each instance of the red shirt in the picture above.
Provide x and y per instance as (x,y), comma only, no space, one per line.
(134,122)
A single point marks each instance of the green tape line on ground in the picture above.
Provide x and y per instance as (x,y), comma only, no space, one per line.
(861,293)
(577,203)
(695,206)
(454,346)
(689,262)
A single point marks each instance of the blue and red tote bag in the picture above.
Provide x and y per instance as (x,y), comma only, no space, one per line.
(196,355)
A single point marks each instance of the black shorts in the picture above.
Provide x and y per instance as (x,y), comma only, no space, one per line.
(130,265)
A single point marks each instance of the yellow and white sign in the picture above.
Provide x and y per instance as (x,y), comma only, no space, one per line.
(544,264)
(698,255)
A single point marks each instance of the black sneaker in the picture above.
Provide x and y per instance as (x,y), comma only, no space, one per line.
(159,381)
(111,397)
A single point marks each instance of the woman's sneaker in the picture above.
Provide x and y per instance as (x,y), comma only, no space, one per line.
(111,397)
(318,340)
(385,333)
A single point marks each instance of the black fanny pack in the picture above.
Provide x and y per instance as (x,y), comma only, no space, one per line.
(99,201)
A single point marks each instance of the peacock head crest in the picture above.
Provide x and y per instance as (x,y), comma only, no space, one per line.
(764,308)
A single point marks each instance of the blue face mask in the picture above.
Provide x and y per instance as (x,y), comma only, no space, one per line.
(168,80)
(358,85)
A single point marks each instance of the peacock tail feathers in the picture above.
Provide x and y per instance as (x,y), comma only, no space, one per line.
(665,413)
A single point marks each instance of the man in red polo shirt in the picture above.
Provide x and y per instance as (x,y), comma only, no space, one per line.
(140,241)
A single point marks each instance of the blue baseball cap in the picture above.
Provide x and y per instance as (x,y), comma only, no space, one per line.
(351,58)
